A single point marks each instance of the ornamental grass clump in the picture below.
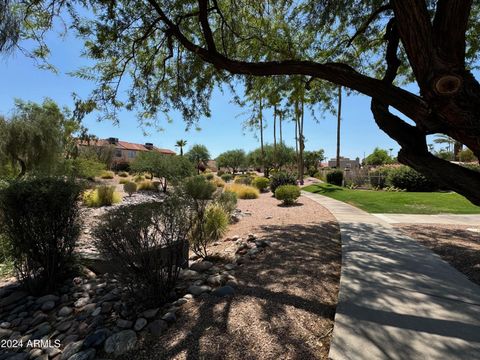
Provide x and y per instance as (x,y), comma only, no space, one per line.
(107,174)
(103,195)
(243,191)
(130,188)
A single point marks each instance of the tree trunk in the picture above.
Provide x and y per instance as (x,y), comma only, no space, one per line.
(280,118)
(181,150)
(339,117)
(457,147)
(23,168)
(261,132)
(275,134)
(301,143)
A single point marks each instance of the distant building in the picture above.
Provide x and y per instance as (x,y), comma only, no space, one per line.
(125,152)
(345,163)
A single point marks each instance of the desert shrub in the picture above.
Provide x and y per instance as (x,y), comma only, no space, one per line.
(138,178)
(130,187)
(123,174)
(319,175)
(228,201)
(208,175)
(226,177)
(148,243)
(218,182)
(101,196)
(406,178)
(243,191)
(243,179)
(107,174)
(198,188)
(261,183)
(123,181)
(40,219)
(146,185)
(220,172)
(335,177)
(288,194)
(281,178)
(84,168)
(378,177)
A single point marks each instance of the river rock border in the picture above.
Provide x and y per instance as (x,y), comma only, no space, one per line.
(87,316)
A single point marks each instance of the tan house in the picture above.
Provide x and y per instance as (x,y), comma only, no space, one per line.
(125,152)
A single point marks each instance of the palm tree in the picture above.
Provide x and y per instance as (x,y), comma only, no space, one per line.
(180,144)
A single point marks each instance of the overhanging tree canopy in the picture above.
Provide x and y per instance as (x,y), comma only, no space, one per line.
(176,51)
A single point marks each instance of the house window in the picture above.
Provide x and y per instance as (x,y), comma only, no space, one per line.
(132,154)
(118,153)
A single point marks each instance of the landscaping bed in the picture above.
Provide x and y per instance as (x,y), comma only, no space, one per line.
(285,296)
(456,244)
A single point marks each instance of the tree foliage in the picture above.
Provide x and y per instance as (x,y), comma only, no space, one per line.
(233,159)
(378,157)
(199,156)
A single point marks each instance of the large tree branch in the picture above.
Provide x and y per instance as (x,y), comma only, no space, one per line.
(367,23)
(405,102)
(415,31)
(449,28)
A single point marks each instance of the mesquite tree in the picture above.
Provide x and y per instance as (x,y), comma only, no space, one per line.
(175,51)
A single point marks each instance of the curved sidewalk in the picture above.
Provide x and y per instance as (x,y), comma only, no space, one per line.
(398,300)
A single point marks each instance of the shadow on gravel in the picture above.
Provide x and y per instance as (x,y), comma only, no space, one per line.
(283,307)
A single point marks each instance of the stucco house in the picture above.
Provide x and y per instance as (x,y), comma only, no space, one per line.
(125,152)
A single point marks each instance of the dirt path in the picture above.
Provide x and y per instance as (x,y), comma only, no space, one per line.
(285,302)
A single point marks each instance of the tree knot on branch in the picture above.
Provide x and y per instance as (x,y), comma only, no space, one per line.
(447,84)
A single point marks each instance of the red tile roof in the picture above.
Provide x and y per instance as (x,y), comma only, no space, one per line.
(126,146)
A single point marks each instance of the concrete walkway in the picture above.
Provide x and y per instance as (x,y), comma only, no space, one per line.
(448,219)
(398,300)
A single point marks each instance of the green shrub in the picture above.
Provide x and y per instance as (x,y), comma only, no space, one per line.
(281,178)
(220,173)
(228,201)
(130,187)
(85,168)
(208,175)
(335,177)
(123,181)
(123,174)
(243,179)
(40,220)
(406,178)
(147,185)
(216,222)
(148,243)
(138,178)
(198,188)
(243,191)
(107,174)
(378,177)
(226,177)
(101,196)
(288,194)
(261,183)
(218,182)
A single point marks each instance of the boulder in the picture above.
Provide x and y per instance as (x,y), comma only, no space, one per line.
(120,343)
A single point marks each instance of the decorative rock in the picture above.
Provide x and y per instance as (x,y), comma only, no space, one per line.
(65,311)
(81,302)
(124,324)
(169,317)
(5,325)
(157,327)
(106,307)
(150,313)
(46,298)
(253,252)
(262,243)
(42,330)
(97,338)
(230,267)
(188,274)
(224,291)
(140,324)
(41,317)
(20,356)
(180,302)
(70,349)
(188,296)
(48,305)
(35,353)
(89,308)
(5,333)
(83,355)
(14,297)
(120,342)
(251,237)
(197,290)
(97,311)
(215,280)
(201,266)
(52,351)
(64,326)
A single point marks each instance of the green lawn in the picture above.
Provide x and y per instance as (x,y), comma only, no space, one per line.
(398,202)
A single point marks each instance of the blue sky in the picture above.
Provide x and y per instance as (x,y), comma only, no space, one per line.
(21,78)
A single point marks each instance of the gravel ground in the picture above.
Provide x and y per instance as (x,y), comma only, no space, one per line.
(285,300)
(458,245)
